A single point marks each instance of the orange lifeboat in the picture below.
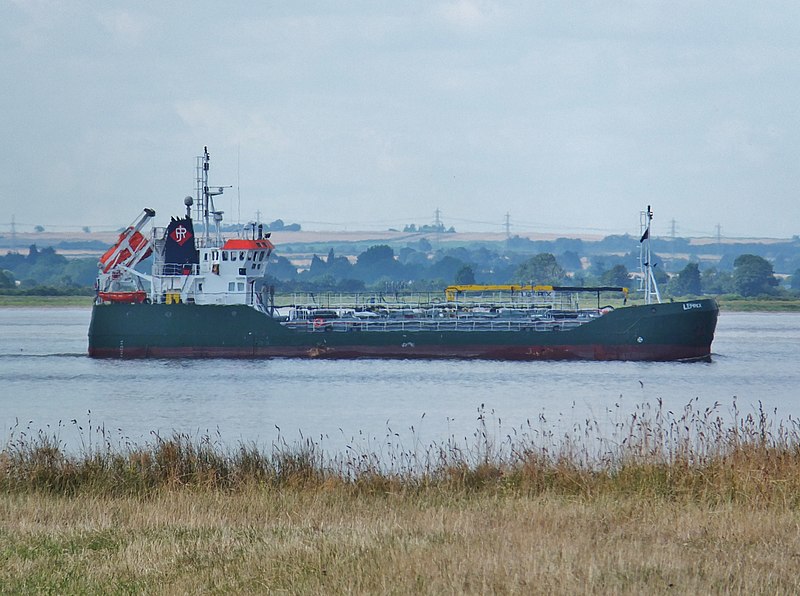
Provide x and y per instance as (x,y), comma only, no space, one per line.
(132,297)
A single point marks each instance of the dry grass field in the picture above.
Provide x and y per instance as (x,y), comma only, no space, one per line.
(667,503)
(335,540)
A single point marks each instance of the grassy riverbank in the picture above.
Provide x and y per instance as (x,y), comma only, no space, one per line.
(682,503)
(736,304)
(44,301)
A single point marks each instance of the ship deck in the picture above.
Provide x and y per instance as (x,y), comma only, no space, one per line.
(541,310)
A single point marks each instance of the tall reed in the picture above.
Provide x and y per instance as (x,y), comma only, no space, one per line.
(696,453)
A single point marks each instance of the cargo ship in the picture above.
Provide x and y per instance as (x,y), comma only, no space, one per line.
(204,297)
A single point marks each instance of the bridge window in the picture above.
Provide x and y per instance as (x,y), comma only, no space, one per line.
(224,255)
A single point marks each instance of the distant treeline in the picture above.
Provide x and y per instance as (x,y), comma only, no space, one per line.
(415,264)
(379,267)
(277,225)
(46,267)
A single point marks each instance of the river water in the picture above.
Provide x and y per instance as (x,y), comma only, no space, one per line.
(47,382)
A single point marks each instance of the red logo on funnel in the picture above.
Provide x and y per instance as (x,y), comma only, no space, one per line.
(180,235)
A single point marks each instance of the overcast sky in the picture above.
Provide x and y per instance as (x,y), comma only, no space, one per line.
(569,116)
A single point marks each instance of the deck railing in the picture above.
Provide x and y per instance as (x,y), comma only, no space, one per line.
(433,325)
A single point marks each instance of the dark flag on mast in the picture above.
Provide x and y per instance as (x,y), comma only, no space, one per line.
(646,234)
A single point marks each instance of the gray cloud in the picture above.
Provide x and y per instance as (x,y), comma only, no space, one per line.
(567,115)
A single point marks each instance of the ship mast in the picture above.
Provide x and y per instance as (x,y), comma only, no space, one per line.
(647,282)
(205,199)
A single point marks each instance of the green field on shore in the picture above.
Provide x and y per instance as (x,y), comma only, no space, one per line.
(759,304)
(27,301)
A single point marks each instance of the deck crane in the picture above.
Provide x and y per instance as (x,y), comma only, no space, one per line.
(117,281)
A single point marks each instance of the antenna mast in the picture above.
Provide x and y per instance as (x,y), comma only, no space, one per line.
(205,199)
(648,281)
(238,185)
(201,188)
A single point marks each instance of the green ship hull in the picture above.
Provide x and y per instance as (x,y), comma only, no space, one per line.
(676,331)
